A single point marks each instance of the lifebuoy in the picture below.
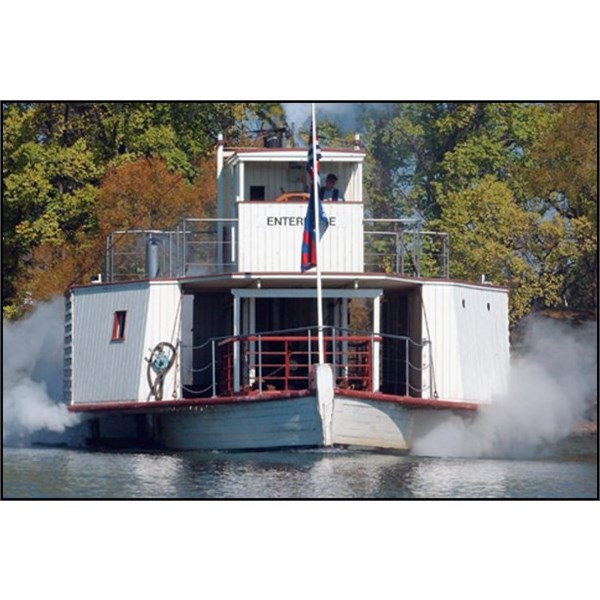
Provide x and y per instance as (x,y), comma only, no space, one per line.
(162,358)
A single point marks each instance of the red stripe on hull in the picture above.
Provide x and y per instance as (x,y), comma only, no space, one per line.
(185,402)
(407,401)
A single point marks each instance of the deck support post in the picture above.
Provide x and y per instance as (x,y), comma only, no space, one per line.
(375,367)
(236,344)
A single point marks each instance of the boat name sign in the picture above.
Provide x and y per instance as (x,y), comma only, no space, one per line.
(292,221)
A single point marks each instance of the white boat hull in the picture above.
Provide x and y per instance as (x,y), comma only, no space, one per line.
(254,424)
(371,423)
(323,417)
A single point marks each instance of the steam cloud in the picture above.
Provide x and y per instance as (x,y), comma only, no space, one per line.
(553,382)
(344,114)
(32,369)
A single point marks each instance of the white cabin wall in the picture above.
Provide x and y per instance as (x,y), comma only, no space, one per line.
(470,343)
(103,369)
(274,177)
(115,370)
(163,325)
(270,236)
(260,246)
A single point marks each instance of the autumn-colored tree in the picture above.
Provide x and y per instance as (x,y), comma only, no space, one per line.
(514,183)
(55,155)
(144,194)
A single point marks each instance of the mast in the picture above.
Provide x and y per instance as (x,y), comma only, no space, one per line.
(321,343)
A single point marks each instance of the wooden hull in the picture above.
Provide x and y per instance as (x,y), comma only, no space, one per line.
(284,423)
(371,423)
(301,420)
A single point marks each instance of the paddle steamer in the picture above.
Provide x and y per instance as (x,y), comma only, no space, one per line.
(206,336)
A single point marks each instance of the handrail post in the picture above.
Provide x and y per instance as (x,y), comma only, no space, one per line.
(183,250)
(309,354)
(406,367)
(260,380)
(214,369)
(107,265)
(333,359)
(233,250)
(371,361)
(402,253)
(286,365)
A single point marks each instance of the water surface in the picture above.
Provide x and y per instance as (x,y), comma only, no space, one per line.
(568,470)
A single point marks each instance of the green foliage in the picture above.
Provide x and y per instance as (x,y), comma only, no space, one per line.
(515,184)
(486,225)
(55,156)
(329,134)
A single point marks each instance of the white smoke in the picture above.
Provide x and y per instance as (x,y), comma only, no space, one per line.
(32,374)
(344,114)
(553,384)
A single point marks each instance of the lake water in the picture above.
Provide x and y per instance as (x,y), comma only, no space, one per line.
(567,470)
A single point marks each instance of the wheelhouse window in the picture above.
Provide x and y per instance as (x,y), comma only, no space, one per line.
(257,192)
(118,332)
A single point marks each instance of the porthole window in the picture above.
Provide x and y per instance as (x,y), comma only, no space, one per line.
(488,306)
(464,304)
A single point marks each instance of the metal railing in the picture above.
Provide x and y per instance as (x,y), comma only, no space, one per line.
(283,361)
(194,247)
(205,246)
(401,246)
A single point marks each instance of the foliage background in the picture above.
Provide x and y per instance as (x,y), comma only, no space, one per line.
(513,183)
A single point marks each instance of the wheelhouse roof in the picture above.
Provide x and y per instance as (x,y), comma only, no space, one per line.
(235,155)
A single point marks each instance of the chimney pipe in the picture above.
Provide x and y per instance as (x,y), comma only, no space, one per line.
(152,257)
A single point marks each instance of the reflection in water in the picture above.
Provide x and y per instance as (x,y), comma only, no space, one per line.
(61,473)
(112,475)
(455,478)
(334,474)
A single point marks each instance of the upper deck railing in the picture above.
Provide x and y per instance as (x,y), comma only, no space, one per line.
(401,246)
(207,246)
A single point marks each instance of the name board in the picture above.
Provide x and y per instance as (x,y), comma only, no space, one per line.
(292,221)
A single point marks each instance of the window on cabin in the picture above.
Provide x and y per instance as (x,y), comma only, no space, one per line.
(118,332)
(257,192)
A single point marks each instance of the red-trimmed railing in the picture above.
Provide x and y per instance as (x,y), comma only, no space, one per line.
(285,362)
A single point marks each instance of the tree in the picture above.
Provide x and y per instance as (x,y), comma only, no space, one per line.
(422,150)
(515,184)
(55,156)
(145,194)
(493,236)
(48,196)
(562,181)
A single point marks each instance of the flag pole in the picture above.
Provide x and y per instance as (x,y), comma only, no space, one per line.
(321,342)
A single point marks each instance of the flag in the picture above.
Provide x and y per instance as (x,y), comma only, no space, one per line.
(309,238)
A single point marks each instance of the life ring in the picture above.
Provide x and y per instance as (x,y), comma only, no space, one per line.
(162,358)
